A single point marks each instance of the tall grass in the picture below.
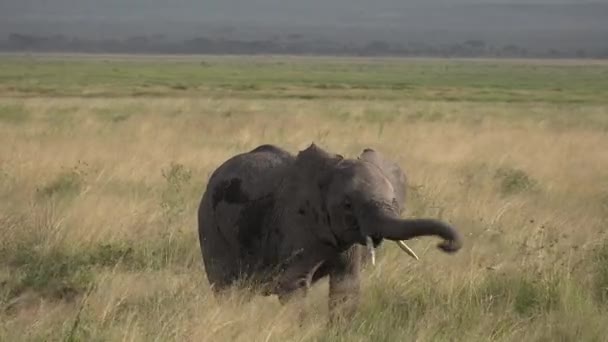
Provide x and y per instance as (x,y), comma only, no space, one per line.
(98,226)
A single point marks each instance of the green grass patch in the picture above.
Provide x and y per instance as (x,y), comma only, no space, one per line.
(499,302)
(54,274)
(60,272)
(513,181)
(68,183)
(61,117)
(601,273)
(524,294)
(489,81)
(13,114)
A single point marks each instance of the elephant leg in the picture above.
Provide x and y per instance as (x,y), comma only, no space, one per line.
(219,261)
(298,274)
(221,276)
(295,290)
(344,285)
(297,280)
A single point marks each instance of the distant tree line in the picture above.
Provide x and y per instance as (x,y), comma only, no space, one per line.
(293,44)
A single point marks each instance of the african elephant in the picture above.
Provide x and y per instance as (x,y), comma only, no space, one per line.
(284,221)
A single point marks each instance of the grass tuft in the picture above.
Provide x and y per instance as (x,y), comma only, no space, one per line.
(173,198)
(512,181)
(68,183)
(601,272)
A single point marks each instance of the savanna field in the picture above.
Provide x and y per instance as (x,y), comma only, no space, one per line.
(103,160)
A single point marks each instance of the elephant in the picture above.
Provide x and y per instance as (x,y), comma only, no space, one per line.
(285,221)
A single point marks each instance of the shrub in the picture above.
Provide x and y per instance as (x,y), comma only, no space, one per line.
(512,181)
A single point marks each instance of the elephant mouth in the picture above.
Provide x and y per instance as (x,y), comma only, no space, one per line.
(372,241)
(353,226)
(375,240)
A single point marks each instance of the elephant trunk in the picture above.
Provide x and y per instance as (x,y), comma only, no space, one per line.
(397,229)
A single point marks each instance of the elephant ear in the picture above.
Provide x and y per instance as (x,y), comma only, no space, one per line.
(391,170)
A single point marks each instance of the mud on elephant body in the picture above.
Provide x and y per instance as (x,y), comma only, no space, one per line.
(286,221)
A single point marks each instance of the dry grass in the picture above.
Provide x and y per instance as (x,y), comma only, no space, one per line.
(98,200)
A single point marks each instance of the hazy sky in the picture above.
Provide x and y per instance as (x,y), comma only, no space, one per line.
(244,10)
(393,17)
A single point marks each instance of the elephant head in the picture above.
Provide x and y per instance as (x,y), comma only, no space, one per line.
(343,202)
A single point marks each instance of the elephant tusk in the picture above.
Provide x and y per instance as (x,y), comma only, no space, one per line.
(406,249)
(370,248)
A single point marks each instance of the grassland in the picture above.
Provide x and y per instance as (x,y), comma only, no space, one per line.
(327,78)
(103,162)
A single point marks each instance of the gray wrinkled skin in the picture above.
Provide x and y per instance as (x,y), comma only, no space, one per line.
(285,221)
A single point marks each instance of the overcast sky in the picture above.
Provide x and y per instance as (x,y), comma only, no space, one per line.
(191,17)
